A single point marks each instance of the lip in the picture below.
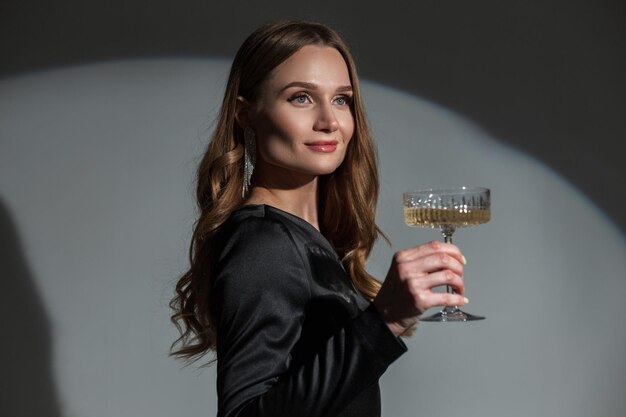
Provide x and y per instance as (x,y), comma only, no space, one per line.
(325,146)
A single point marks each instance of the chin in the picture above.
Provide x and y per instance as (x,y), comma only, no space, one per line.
(324,170)
(312,168)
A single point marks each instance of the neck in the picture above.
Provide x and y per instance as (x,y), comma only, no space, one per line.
(300,200)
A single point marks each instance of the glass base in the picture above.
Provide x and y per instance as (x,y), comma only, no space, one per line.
(451,314)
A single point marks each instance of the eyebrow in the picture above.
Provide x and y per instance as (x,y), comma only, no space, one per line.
(311,86)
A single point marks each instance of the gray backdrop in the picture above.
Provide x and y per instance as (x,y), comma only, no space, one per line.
(97,158)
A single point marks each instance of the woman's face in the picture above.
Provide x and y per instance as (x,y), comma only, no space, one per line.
(303,118)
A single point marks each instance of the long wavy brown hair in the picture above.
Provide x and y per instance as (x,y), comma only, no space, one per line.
(348,196)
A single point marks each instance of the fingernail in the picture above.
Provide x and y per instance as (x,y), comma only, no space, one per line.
(466,300)
(464,260)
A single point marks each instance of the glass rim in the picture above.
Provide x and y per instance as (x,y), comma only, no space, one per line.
(449,190)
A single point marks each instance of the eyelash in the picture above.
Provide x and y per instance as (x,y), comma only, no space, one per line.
(295,97)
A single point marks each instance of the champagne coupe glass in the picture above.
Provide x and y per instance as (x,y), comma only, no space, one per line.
(447,209)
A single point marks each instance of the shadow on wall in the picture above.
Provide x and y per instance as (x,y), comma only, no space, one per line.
(26,382)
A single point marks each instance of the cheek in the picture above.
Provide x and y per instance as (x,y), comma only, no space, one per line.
(347,127)
(277,138)
(285,128)
(275,150)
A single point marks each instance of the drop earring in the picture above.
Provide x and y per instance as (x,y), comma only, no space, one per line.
(249,158)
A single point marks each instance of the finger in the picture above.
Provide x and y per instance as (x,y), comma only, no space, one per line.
(429,248)
(439,261)
(437,279)
(444,299)
(430,263)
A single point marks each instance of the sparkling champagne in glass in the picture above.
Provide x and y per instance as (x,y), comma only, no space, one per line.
(447,210)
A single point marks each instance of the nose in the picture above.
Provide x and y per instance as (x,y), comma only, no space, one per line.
(326,120)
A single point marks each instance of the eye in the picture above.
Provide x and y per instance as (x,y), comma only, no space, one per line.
(343,100)
(300,98)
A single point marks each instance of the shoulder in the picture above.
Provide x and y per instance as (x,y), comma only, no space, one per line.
(256,247)
(255,230)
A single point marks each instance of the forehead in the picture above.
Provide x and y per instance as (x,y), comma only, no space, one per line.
(321,65)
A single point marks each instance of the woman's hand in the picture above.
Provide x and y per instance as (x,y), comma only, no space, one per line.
(408,288)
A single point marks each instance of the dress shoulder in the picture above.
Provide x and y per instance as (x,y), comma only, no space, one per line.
(256,250)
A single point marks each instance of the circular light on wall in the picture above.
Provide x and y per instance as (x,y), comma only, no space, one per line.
(96,169)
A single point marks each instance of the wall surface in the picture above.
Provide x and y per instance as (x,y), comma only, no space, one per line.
(104,114)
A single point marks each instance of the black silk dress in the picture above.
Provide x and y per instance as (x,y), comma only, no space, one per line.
(294,337)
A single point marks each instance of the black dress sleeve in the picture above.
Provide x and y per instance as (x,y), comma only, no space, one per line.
(260,291)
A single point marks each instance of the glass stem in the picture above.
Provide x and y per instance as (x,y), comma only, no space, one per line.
(447,230)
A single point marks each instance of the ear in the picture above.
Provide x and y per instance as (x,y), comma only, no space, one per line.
(242,109)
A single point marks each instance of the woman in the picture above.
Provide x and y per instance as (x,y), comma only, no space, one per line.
(287,192)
